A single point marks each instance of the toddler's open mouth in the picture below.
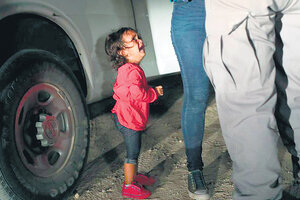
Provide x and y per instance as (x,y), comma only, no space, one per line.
(142,48)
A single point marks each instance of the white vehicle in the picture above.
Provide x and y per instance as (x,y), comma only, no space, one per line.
(52,66)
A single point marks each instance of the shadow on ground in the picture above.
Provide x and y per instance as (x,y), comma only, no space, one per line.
(292,192)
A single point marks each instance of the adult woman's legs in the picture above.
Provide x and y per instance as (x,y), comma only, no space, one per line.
(188,35)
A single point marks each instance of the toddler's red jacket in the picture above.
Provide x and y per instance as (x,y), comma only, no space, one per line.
(133,96)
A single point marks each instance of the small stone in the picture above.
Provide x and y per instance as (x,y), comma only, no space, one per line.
(76,196)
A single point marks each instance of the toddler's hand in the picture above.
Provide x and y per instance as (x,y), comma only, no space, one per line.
(159,89)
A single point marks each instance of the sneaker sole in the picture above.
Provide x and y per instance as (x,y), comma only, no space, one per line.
(199,196)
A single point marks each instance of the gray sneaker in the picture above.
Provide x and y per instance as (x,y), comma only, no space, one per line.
(196,186)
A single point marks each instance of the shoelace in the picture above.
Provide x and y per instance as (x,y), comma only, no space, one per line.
(198,179)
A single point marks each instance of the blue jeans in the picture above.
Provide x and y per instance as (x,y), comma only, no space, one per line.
(188,35)
(132,140)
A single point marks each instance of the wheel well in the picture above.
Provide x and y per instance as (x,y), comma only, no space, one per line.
(26,31)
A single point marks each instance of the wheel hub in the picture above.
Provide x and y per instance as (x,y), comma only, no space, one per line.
(47,130)
(44,129)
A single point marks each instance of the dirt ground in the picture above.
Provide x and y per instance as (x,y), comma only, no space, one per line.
(162,154)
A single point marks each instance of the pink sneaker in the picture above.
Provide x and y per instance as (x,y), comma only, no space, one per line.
(144,180)
(135,191)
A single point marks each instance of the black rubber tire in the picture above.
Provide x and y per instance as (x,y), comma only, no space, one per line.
(17,179)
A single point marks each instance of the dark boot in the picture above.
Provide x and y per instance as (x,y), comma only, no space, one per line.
(196,186)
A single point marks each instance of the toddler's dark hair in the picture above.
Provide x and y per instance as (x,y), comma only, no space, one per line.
(113,44)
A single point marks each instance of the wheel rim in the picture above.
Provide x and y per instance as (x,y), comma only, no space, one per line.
(44,130)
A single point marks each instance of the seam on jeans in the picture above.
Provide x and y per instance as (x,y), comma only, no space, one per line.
(176,49)
(181,71)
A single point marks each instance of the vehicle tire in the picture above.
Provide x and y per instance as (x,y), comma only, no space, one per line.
(44,133)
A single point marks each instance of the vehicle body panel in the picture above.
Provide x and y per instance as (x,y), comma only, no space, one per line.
(88,22)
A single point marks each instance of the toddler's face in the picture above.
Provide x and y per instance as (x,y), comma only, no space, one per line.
(134,49)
